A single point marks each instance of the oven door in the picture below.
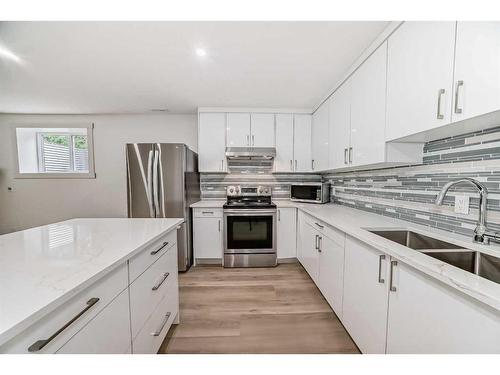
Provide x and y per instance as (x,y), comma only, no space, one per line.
(249,231)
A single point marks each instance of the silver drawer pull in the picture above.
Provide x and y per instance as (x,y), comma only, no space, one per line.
(160,328)
(154,252)
(457,92)
(319,243)
(319,226)
(380,259)
(440,116)
(392,288)
(40,344)
(158,284)
(207,212)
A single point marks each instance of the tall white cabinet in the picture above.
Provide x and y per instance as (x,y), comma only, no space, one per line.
(212,142)
(340,126)
(477,72)
(320,149)
(419,77)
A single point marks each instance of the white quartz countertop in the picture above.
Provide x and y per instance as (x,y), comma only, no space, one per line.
(209,203)
(43,267)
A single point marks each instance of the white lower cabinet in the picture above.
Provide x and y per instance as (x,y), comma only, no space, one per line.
(107,333)
(365,296)
(207,234)
(286,232)
(427,316)
(308,254)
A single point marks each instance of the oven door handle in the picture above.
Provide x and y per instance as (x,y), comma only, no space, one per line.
(248,212)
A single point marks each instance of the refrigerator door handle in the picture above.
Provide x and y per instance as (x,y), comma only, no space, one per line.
(155,184)
(149,192)
(161,194)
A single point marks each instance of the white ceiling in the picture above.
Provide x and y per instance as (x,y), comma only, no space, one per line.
(120,67)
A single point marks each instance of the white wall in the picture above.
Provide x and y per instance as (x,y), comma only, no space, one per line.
(34,202)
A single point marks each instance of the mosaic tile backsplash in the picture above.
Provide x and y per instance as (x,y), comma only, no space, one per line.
(408,193)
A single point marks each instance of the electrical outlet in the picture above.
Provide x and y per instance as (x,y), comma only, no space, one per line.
(462,204)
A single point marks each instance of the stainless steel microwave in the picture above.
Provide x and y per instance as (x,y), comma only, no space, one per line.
(310,192)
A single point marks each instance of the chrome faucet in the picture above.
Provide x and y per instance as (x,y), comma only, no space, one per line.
(481,233)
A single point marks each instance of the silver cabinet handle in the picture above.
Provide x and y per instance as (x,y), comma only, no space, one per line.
(319,243)
(248,140)
(279,215)
(163,322)
(222,165)
(380,259)
(207,212)
(161,281)
(219,225)
(440,116)
(253,140)
(291,165)
(295,165)
(350,155)
(345,155)
(40,344)
(457,94)
(319,226)
(316,242)
(312,164)
(154,252)
(392,288)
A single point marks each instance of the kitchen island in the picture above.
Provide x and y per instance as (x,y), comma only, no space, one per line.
(89,285)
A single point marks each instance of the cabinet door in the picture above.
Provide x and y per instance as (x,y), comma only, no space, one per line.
(212,142)
(331,270)
(238,130)
(286,235)
(309,253)
(365,296)
(419,68)
(477,69)
(320,138)
(207,240)
(107,333)
(340,126)
(427,316)
(368,110)
(284,143)
(262,130)
(302,143)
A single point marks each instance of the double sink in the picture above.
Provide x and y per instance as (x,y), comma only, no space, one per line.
(481,264)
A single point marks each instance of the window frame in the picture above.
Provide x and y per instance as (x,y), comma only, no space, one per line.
(58,175)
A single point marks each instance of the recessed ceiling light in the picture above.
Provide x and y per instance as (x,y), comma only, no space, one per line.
(200,52)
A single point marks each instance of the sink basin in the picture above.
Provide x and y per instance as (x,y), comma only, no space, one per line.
(481,264)
(413,240)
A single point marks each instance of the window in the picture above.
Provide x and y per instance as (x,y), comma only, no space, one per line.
(54,152)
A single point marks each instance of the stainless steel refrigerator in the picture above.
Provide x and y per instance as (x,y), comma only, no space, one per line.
(162,181)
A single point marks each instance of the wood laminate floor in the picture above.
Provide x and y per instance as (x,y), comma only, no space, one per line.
(254,310)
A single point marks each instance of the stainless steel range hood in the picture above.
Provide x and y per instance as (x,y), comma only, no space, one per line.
(250,153)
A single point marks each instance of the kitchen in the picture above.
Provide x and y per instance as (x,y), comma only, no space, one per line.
(358,213)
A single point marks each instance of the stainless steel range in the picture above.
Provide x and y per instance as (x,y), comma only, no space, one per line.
(249,227)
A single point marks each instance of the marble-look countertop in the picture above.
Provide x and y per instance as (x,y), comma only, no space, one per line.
(43,267)
(356,223)
(209,203)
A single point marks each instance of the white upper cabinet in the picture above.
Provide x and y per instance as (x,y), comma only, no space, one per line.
(368,89)
(340,126)
(284,161)
(477,69)
(238,130)
(262,130)
(419,77)
(302,143)
(320,138)
(212,142)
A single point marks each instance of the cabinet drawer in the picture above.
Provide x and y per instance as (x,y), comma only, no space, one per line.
(148,256)
(149,289)
(207,212)
(83,307)
(152,334)
(335,235)
(107,333)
